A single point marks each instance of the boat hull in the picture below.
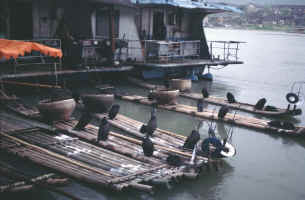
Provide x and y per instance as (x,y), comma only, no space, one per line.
(56,110)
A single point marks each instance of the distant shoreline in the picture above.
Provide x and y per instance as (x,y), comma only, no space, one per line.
(258,29)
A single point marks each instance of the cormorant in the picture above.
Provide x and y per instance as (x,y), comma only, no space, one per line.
(231,98)
(151,125)
(83,121)
(260,104)
(200,105)
(148,146)
(114,111)
(143,129)
(281,124)
(191,140)
(205,93)
(103,130)
(223,111)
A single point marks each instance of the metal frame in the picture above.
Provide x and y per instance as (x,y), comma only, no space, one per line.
(43,59)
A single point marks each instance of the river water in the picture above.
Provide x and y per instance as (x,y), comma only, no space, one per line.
(267,166)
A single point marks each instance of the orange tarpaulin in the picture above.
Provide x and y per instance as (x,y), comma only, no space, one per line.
(13,49)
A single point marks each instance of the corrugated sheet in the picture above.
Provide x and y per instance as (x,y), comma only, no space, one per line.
(188,4)
(117,2)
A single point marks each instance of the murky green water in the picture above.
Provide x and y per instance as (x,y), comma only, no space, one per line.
(267,166)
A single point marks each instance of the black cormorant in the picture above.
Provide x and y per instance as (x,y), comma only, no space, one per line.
(260,104)
(231,98)
(191,140)
(103,130)
(148,146)
(83,121)
(114,111)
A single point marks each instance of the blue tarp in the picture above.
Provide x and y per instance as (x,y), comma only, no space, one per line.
(189,4)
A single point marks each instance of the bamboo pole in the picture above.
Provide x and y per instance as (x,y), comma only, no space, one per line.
(29,84)
(55,155)
(36,182)
(29,183)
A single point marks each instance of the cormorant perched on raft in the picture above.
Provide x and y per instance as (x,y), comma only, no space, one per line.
(151,125)
(148,146)
(260,104)
(222,112)
(114,111)
(103,130)
(205,93)
(231,98)
(200,105)
(143,129)
(191,140)
(281,124)
(83,121)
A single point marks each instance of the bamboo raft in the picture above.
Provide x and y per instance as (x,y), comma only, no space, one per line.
(84,161)
(250,108)
(165,141)
(221,101)
(249,122)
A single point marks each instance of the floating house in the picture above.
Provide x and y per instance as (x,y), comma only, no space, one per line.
(173,39)
(160,38)
(88,32)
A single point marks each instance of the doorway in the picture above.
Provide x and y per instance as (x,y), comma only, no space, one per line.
(21,21)
(159,29)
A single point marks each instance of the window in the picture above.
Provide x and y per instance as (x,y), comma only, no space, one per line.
(175,18)
(172,19)
(103,23)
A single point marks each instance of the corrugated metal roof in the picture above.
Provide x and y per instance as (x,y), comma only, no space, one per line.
(189,4)
(116,2)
